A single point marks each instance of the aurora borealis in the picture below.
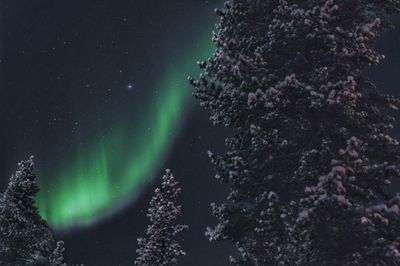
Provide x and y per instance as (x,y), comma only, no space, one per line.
(117,164)
(97,92)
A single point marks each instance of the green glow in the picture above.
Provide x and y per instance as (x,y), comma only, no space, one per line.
(115,166)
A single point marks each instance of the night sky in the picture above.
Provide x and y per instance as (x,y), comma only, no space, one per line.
(97,92)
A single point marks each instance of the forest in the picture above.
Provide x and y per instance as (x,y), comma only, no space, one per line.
(311,164)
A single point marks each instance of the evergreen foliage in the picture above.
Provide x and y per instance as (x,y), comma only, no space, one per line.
(57,256)
(161,247)
(25,238)
(312,158)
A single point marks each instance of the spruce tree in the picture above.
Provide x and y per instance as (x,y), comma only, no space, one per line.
(57,256)
(25,238)
(161,248)
(312,158)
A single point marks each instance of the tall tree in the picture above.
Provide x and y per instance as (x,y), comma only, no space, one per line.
(312,157)
(161,248)
(25,238)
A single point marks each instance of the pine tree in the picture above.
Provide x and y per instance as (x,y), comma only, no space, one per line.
(57,256)
(25,238)
(312,158)
(161,247)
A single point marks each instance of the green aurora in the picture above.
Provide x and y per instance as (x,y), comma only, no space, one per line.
(111,172)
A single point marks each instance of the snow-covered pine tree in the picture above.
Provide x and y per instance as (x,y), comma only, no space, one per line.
(25,238)
(312,158)
(161,247)
(57,256)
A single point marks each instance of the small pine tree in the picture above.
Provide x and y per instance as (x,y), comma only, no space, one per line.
(161,248)
(25,238)
(312,158)
(57,256)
